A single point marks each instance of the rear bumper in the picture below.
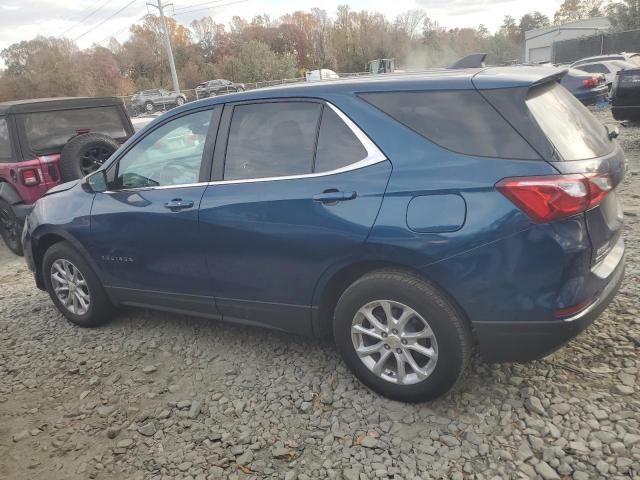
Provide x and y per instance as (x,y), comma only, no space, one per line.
(525,341)
(593,97)
(626,112)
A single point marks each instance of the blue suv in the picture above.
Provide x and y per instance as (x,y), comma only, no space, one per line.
(412,217)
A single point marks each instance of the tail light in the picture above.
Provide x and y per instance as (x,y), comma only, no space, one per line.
(552,197)
(592,81)
(30,177)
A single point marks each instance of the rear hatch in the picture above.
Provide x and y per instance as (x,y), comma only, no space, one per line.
(585,153)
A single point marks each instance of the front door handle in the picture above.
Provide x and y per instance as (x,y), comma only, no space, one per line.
(178,204)
(333,196)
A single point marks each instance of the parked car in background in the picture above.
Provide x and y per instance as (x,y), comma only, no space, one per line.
(608,68)
(218,87)
(589,88)
(45,142)
(633,58)
(148,101)
(320,74)
(411,217)
(625,95)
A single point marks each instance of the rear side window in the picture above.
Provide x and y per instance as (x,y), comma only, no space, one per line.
(461,121)
(574,132)
(48,132)
(271,140)
(5,142)
(337,144)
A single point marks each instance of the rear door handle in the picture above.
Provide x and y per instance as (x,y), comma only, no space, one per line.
(178,204)
(333,196)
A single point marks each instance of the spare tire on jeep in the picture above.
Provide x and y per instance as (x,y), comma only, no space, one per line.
(84,154)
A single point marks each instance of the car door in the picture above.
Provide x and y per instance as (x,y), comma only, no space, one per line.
(297,189)
(144,228)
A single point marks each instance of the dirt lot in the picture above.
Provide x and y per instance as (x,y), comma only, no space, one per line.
(161,396)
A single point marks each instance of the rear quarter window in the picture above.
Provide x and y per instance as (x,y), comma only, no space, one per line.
(461,121)
(5,141)
(48,132)
(572,129)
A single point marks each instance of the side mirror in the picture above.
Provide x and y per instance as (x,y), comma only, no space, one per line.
(96,182)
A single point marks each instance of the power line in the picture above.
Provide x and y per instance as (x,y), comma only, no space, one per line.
(111,35)
(184,7)
(105,20)
(208,8)
(86,18)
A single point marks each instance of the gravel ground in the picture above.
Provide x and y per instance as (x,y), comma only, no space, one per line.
(161,396)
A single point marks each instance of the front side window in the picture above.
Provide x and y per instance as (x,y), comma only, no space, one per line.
(48,132)
(169,155)
(5,141)
(461,121)
(271,140)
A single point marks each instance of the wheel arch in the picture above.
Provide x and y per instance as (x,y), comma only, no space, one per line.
(335,282)
(46,240)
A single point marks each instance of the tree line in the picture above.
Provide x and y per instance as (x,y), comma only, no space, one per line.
(263,49)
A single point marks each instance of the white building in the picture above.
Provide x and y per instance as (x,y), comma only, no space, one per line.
(538,42)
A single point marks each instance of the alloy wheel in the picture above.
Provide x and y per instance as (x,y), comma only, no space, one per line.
(394,342)
(93,158)
(9,225)
(70,286)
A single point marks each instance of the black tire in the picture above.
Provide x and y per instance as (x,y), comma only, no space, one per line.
(84,154)
(100,309)
(10,228)
(448,325)
(149,107)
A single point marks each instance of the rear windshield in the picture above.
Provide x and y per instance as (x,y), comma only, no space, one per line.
(461,121)
(48,132)
(574,132)
(5,145)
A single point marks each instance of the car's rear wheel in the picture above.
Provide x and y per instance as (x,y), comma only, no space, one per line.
(401,336)
(74,287)
(10,228)
(84,154)
(149,107)
(179,101)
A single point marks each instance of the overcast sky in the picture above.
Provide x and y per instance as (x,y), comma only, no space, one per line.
(79,20)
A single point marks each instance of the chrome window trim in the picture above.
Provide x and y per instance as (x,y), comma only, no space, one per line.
(374,155)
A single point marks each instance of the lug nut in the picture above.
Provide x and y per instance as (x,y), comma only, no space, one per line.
(387,347)
(394,331)
(384,334)
(399,350)
(404,341)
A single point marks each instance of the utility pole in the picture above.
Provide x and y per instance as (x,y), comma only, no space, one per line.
(167,41)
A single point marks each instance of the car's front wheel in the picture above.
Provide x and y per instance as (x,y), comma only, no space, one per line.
(149,107)
(74,287)
(401,336)
(179,101)
(10,228)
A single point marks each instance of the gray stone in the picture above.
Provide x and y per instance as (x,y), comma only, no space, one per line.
(534,405)
(149,369)
(125,443)
(546,471)
(148,429)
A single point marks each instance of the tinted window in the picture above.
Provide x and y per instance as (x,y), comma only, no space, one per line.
(572,129)
(47,132)
(337,144)
(461,121)
(169,155)
(5,143)
(596,68)
(271,140)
